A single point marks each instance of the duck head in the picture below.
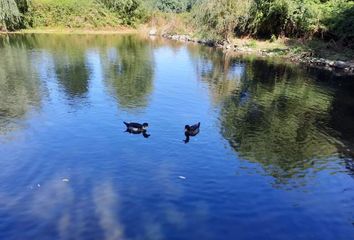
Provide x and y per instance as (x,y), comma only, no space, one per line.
(145,126)
(187,128)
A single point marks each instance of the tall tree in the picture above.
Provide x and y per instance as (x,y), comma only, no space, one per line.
(9,15)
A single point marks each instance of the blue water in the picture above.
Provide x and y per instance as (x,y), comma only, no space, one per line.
(273,159)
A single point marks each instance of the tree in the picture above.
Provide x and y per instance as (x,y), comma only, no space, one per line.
(9,15)
(221,18)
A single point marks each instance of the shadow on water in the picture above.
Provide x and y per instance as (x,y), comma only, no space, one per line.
(273,115)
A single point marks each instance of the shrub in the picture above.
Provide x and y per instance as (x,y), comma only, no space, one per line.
(130,12)
(221,18)
(70,13)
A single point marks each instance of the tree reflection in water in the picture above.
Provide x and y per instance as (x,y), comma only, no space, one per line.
(270,113)
(129,71)
(19,85)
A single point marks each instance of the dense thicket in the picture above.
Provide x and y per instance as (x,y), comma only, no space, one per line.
(129,12)
(265,18)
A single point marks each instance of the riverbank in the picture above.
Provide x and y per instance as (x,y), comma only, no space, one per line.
(293,50)
(117,30)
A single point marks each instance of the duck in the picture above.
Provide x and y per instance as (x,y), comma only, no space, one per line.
(137,128)
(191,131)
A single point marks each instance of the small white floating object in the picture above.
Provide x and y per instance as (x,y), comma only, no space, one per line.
(65,180)
(38,185)
(182,177)
(153,32)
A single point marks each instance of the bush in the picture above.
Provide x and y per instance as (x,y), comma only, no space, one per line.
(339,19)
(332,19)
(70,13)
(130,12)
(221,18)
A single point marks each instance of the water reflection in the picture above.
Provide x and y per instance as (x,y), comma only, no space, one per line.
(129,69)
(20,90)
(277,121)
(270,114)
(220,71)
(106,201)
(283,123)
(72,72)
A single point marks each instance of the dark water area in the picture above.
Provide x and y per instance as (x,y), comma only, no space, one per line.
(273,159)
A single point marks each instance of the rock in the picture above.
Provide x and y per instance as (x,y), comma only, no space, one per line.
(340,64)
(153,32)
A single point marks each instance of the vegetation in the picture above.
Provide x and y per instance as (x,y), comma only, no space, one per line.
(129,12)
(9,15)
(269,114)
(328,19)
(176,6)
(69,13)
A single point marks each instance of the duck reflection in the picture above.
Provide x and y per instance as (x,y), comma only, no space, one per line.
(191,131)
(137,128)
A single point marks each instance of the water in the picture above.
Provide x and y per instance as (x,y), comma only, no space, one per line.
(273,159)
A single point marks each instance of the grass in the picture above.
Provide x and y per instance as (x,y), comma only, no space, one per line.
(287,47)
(321,49)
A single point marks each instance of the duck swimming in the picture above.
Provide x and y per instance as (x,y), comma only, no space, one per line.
(137,128)
(191,131)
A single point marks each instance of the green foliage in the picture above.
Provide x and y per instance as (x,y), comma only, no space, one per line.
(221,18)
(339,19)
(130,12)
(285,18)
(70,13)
(266,18)
(9,15)
(170,6)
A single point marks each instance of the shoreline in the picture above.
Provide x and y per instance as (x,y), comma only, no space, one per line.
(75,31)
(335,66)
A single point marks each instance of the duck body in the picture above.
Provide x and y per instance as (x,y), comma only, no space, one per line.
(136,127)
(191,131)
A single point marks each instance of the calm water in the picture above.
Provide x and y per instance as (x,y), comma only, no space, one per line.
(273,160)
